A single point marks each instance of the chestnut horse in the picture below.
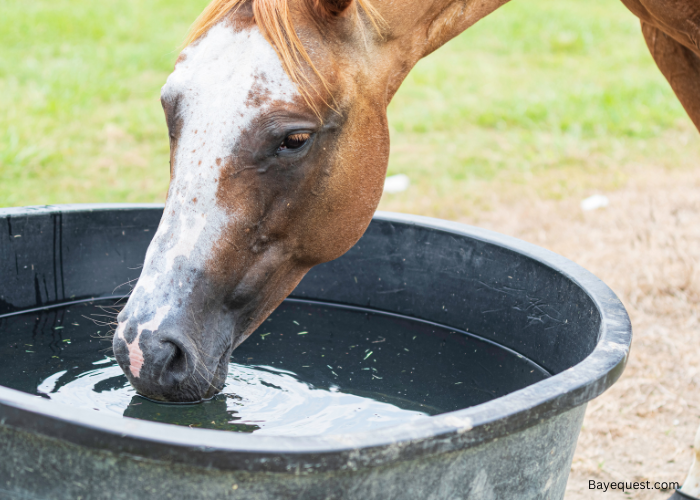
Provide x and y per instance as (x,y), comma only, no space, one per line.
(278,151)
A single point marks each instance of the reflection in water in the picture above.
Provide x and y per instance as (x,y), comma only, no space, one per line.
(259,399)
(213,414)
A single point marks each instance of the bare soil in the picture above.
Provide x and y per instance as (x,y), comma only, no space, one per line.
(646,246)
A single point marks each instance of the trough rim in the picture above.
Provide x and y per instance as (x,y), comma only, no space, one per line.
(453,431)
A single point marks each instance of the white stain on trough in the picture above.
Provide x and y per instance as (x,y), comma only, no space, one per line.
(463,424)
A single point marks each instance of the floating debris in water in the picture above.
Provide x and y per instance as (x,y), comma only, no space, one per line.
(273,389)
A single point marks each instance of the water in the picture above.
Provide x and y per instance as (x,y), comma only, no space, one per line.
(310,369)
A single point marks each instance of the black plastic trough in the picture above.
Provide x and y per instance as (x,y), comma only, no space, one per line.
(513,293)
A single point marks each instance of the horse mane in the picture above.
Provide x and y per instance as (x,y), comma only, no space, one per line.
(274,20)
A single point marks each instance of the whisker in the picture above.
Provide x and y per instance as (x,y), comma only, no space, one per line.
(125,283)
(98,322)
(104,315)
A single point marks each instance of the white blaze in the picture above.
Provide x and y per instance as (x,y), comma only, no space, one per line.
(154,323)
(211,84)
(187,238)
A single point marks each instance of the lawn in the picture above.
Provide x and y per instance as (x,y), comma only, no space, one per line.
(561,96)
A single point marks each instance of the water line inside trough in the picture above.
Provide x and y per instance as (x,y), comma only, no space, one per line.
(311,368)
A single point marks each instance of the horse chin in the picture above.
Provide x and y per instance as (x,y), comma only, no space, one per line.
(194,390)
(217,383)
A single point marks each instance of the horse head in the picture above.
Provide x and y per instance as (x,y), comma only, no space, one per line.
(274,169)
(278,151)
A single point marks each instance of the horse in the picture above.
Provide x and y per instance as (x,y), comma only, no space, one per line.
(279,144)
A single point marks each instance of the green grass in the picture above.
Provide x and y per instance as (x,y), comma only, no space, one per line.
(79,89)
(561,92)
(562,67)
(561,98)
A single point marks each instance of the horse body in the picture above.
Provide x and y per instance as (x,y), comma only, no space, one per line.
(278,156)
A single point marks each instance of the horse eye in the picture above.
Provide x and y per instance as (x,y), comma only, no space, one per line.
(294,141)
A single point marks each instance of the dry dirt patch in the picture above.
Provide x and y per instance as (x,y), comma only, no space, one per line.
(646,246)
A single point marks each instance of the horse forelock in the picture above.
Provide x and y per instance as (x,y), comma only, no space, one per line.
(275,21)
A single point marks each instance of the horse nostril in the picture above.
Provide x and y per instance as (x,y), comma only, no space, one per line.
(176,363)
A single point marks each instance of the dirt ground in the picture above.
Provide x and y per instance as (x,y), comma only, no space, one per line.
(646,246)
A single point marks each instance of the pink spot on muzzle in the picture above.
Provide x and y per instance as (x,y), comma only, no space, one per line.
(135,353)
(135,357)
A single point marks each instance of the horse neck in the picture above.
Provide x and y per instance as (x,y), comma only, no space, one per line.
(416,28)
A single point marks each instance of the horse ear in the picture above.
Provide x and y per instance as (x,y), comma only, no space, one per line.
(331,8)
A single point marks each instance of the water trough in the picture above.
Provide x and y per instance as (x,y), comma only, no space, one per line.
(516,440)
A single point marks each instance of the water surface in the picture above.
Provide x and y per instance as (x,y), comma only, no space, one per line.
(310,369)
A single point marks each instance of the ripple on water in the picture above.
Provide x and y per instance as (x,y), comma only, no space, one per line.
(309,369)
(261,399)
